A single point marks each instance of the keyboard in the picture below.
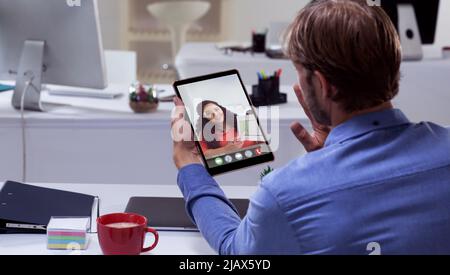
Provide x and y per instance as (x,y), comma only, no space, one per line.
(100,94)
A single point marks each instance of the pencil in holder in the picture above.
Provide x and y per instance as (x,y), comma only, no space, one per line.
(267,92)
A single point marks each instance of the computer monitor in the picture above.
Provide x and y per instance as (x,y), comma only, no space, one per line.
(52,42)
(416,22)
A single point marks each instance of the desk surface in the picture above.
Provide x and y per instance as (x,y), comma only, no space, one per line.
(83,108)
(116,112)
(114,199)
(97,140)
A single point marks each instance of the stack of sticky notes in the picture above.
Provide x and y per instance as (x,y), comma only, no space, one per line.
(68,233)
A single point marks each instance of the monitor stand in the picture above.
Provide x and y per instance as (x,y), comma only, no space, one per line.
(30,69)
(408,30)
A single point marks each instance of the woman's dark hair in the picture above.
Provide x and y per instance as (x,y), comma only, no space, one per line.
(211,142)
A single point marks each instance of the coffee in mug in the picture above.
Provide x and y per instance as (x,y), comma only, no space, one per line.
(124,234)
(122,225)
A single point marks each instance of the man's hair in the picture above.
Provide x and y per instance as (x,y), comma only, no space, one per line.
(354,45)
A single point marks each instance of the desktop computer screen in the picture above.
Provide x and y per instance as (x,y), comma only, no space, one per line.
(416,22)
(426,15)
(50,41)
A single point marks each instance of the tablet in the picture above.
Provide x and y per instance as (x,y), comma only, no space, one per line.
(226,128)
(169,214)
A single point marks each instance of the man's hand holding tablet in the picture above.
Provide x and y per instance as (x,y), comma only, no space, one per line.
(221,129)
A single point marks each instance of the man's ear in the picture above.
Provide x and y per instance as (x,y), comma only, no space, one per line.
(327,90)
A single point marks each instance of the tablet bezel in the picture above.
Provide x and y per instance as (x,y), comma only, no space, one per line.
(268,157)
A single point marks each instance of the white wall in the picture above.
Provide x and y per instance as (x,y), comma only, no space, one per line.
(257,14)
(246,15)
(110,23)
(442,32)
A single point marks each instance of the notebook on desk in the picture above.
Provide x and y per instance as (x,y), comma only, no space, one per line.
(28,209)
(169,214)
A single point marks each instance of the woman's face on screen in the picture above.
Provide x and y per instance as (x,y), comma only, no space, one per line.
(213,113)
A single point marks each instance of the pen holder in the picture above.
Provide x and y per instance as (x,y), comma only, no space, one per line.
(259,42)
(267,92)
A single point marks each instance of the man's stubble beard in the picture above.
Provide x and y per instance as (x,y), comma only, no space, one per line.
(318,113)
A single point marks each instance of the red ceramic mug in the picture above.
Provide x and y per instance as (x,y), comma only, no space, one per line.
(124,234)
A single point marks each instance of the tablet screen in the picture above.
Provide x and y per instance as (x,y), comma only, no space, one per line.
(224,122)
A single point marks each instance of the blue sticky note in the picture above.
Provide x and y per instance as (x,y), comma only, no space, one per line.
(4,88)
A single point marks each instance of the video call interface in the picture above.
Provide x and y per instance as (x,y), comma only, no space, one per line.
(223,120)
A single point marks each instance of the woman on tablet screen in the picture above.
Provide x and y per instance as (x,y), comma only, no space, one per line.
(219,130)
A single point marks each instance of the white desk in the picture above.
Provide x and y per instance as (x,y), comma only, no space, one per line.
(424,87)
(196,59)
(103,141)
(114,199)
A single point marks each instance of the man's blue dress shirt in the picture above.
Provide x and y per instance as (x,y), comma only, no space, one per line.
(379,178)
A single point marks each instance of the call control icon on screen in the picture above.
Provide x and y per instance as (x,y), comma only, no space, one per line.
(228,159)
(219,161)
(239,156)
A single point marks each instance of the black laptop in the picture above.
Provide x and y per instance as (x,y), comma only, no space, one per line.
(169,214)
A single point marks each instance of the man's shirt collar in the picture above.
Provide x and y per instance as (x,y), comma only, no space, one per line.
(363,124)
